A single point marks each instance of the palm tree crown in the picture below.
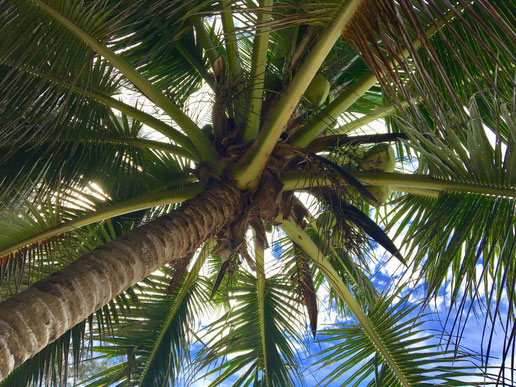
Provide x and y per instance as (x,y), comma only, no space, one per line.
(126,215)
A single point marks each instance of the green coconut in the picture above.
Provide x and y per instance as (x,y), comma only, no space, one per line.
(380,158)
(208,131)
(273,82)
(350,166)
(317,90)
(380,192)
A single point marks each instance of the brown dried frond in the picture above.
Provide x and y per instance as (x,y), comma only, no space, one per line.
(179,270)
(303,281)
(26,265)
(396,40)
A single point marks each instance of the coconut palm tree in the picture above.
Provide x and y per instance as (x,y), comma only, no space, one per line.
(126,212)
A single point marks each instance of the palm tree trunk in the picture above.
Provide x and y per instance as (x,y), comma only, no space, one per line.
(39,315)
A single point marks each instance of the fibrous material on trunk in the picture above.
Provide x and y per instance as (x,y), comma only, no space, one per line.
(36,317)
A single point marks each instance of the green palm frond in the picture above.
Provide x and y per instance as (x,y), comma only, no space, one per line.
(90,155)
(39,216)
(158,40)
(352,355)
(25,30)
(344,260)
(456,230)
(93,34)
(237,342)
(463,238)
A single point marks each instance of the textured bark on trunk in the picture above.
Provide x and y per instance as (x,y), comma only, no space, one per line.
(39,315)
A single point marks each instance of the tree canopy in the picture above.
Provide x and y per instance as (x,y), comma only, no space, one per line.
(106,149)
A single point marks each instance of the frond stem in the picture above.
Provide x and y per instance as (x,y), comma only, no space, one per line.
(260,290)
(371,291)
(400,181)
(141,143)
(150,144)
(145,118)
(302,239)
(327,142)
(201,142)
(368,118)
(258,67)
(247,172)
(235,67)
(327,116)
(204,39)
(153,199)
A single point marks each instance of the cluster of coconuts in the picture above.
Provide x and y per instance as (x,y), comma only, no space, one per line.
(380,158)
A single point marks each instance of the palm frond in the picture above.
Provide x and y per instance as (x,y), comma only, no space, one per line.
(236,346)
(158,40)
(88,156)
(464,238)
(433,49)
(42,105)
(351,354)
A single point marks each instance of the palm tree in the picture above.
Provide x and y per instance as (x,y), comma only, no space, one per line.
(116,235)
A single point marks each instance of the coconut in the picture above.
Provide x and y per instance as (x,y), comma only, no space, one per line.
(317,90)
(208,131)
(350,166)
(380,192)
(273,82)
(380,158)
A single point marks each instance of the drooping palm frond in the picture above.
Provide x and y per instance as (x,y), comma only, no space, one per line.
(39,258)
(236,345)
(351,354)
(465,238)
(454,50)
